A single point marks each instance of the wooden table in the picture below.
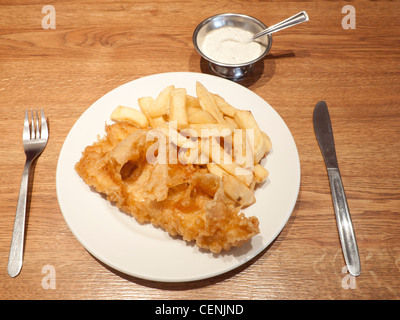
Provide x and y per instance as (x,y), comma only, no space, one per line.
(99,45)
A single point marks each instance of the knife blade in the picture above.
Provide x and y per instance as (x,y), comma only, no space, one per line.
(324,135)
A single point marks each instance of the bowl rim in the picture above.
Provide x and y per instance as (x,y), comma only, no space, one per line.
(229,65)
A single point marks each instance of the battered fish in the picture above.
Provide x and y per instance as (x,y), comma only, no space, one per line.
(184,200)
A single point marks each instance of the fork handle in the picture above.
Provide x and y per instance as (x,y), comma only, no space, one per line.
(17,242)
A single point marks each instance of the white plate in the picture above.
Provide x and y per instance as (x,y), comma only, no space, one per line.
(146,252)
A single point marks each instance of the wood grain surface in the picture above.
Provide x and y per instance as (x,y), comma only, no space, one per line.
(99,45)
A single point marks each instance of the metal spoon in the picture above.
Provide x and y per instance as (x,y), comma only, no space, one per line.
(289,22)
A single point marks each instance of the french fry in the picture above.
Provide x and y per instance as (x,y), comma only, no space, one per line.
(221,157)
(245,120)
(243,148)
(267,141)
(176,137)
(178,108)
(231,122)
(215,169)
(160,105)
(237,190)
(260,173)
(131,115)
(192,102)
(192,109)
(144,104)
(206,130)
(233,187)
(207,102)
(224,106)
(200,116)
(158,121)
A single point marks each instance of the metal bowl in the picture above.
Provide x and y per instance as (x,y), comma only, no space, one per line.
(235,72)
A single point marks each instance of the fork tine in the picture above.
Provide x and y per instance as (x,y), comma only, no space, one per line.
(45,131)
(37,131)
(32,126)
(26,133)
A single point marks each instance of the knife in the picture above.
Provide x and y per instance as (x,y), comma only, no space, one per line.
(324,134)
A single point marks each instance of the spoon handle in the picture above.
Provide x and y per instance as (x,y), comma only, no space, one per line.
(289,22)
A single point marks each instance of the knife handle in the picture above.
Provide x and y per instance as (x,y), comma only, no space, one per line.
(345,225)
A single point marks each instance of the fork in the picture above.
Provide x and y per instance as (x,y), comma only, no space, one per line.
(35,137)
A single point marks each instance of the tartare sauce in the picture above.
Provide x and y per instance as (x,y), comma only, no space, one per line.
(231,45)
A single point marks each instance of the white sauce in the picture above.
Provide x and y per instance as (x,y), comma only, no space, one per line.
(231,45)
